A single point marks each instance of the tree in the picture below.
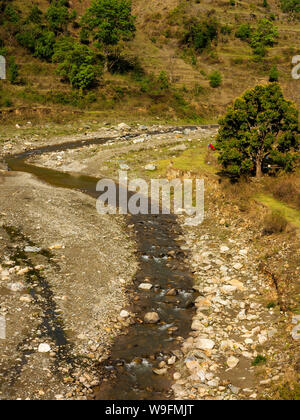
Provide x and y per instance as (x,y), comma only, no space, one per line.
(110,21)
(264,36)
(78,64)
(200,34)
(58,16)
(261,123)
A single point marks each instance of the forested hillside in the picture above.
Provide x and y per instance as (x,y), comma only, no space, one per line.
(171,59)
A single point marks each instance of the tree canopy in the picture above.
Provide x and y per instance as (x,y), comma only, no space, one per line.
(110,21)
(261,123)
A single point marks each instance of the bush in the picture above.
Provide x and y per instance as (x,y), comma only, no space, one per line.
(264,36)
(199,35)
(215,79)
(274,74)
(44,45)
(244,32)
(13,71)
(290,6)
(274,223)
(11,14)
(35,15)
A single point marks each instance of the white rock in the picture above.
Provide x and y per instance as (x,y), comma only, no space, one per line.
(124,314)
(224,249)
(228,289)
(238,266)
(232,362)
(15,287)
(150,167)
(296,332)
(44,348)
(205,344)
(123,126)
(145,286)
(196,325)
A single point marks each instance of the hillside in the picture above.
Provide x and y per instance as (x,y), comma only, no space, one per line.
(157,47)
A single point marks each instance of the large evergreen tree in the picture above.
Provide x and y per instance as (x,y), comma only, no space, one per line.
(260,123)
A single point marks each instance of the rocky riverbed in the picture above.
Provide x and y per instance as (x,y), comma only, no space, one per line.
(238,345)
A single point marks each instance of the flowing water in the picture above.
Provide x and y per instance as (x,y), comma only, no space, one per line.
(128,373)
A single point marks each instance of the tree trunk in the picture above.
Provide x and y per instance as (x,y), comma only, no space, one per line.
(259,172)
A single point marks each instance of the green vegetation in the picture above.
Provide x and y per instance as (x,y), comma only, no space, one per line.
(261,123)
(264,36)
(199,35)
(109,21)
(288,213)
(77,63)
(290,6)
(259,360)
(215,79)
(274,74)
(47,37)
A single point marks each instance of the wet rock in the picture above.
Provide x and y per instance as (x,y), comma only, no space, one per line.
(160,371)
(171,292)
(151,318)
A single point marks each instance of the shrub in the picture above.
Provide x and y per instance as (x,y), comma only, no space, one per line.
(259,360)
(274,223)
(215,79)
(13,71)
(44,45)
(11,14)
(199,35)
(264,36)
(35,15)
(244,32)
(290,6)
(274,74)
(58,16)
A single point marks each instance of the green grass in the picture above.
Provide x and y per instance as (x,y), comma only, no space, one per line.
(290,214)
(191,160)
